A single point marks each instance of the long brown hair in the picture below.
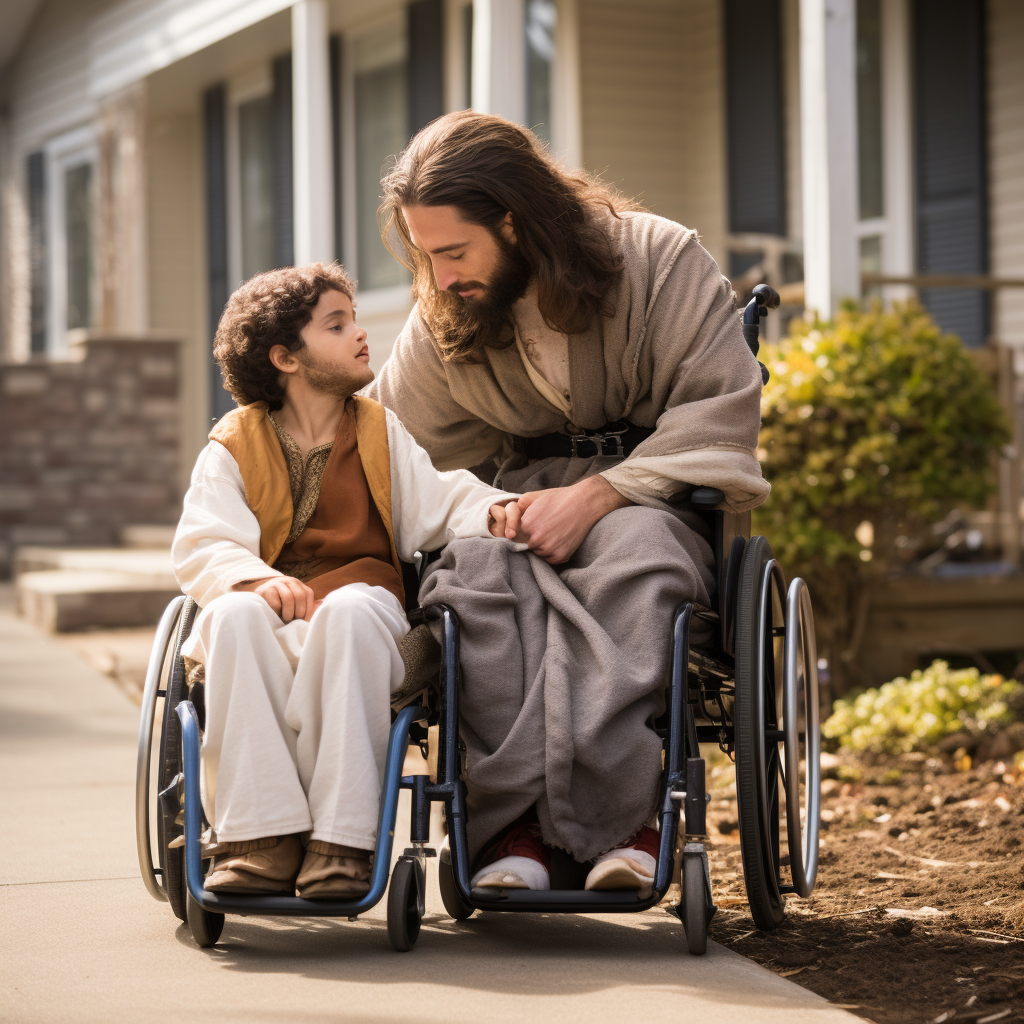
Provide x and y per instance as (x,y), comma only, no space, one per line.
(488,167)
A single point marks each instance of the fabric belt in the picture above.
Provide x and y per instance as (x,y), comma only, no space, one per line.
(615,439)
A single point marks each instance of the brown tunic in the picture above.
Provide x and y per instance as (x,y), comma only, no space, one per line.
(337,535)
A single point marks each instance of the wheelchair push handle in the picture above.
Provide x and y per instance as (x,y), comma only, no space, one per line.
(765,298)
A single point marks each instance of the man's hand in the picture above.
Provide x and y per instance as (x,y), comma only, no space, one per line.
(555,522)
(289,597)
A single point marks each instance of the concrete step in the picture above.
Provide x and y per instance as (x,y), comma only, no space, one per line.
(152,561)
(61,600)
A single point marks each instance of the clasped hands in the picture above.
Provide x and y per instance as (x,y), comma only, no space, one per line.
(553,523)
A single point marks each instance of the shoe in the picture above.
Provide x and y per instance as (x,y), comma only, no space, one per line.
(517,860)
(265,865)
(331,871)
(630,866)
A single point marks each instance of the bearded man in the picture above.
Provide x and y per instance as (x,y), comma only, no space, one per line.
(591,353)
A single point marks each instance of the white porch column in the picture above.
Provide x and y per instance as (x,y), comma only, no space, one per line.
(313,172)
(499,58)
(828,143)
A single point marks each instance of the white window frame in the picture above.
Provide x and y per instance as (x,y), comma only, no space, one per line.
(253,84)
(72,149)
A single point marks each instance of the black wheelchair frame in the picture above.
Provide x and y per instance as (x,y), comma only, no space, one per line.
(752,692)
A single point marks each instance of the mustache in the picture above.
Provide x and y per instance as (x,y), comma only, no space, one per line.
(465,286)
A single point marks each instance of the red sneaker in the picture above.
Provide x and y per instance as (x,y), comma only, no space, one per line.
(516,860)
(629,866)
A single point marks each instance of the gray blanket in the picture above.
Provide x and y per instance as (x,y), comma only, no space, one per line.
(564,667)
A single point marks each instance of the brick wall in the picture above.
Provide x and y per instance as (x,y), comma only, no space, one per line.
(88,445)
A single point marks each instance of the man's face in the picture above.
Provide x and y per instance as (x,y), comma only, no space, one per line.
(485,270)
(335,359)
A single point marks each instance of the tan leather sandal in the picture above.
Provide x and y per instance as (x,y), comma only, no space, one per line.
(267,865)
(331,871)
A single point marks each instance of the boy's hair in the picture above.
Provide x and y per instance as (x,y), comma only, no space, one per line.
(270,309)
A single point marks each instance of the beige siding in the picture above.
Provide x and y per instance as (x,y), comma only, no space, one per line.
(1006,161)
(653,108)
(176,261)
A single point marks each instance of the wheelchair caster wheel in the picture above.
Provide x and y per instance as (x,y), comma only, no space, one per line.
(405,904)
(694,907)
(205,925)
(453,902)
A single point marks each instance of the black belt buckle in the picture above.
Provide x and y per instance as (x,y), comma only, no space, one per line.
(600,441)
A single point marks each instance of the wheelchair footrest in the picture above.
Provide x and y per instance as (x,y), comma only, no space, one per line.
(580,898)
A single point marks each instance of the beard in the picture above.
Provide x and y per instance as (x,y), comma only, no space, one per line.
(329,379)
(487,315)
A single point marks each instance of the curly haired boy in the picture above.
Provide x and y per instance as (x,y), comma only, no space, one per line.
(300,509)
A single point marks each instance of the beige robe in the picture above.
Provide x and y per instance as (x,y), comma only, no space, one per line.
(670,356)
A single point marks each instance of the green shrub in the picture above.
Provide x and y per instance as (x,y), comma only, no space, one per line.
(916,713)
(876,418)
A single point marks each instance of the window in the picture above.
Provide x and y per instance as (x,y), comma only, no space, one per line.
(255,170)
(380,96)
(541,18)
(63,200)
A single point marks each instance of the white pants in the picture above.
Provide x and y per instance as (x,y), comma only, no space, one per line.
(298,714)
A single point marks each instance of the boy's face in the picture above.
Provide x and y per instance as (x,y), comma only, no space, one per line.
(335,359)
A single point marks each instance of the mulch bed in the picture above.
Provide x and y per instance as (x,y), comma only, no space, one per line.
(918,913)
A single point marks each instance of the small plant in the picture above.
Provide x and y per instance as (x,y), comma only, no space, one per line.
(917,713)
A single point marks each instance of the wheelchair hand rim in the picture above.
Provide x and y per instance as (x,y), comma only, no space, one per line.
(800,674)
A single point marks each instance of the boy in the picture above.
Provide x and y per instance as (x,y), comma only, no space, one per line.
(299,510)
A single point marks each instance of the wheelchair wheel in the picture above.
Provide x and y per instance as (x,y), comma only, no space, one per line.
(405,904)
(146,807)
(204,924)
(694,908)
(169,770)
(759,620)
(453,902)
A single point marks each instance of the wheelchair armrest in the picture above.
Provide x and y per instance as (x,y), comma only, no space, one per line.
(706,497)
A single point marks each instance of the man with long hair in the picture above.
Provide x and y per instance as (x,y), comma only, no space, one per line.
(590,352)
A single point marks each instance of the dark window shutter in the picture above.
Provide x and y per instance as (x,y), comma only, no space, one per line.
(755,136)
(281,132)
(336,51)
(426,63)
(215,116)
(950,128)
(37,252)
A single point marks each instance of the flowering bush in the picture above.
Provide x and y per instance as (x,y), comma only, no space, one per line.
(916,713)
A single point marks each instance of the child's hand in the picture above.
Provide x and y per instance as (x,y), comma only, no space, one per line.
(503,521)
(289,597)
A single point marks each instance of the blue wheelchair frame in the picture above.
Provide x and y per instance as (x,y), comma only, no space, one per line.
(291,906)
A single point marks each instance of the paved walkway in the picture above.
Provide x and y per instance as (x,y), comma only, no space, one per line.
(81,940)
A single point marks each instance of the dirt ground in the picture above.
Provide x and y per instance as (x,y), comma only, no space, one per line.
(918,912)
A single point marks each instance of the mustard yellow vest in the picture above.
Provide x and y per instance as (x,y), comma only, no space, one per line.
(249,435)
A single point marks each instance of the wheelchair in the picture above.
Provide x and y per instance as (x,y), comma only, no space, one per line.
(752,690)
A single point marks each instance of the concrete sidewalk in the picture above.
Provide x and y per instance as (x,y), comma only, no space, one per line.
(81,940)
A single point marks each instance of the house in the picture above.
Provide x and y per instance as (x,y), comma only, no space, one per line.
(155,153)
